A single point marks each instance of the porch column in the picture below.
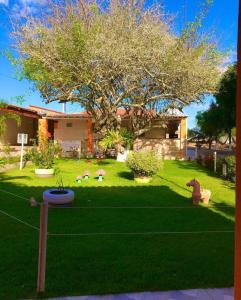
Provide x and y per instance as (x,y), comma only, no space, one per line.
(90,137)
(43,133)
(183,136)
(237,266)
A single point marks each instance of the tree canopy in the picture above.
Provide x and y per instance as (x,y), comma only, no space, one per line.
(221,115)
(207,122)
(226,100)
(123,55)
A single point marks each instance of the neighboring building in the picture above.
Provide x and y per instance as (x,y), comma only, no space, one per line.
(75,130)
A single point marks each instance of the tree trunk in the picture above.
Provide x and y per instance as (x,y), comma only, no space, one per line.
(210,144)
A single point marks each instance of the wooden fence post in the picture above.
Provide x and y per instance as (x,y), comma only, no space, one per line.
(42,247)
(196,152)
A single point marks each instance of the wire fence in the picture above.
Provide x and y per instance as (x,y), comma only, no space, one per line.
(81,234)
(44,234)
(120,207)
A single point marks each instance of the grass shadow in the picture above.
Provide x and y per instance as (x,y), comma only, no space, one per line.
(103,163)
(174,183)
(126,175)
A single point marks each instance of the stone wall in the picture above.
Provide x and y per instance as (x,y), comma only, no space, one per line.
(167,148)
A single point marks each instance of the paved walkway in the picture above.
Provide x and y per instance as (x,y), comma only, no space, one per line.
(207,294)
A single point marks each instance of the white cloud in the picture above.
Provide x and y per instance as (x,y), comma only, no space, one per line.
(24,8)
(5,2)
(34,2)
(229,59)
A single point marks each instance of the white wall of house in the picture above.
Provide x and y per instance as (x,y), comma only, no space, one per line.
(71,130)
(71,133)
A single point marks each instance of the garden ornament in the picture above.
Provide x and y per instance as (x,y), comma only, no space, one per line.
(78,179)
(86,175)
(33,202)
(100,174)
(199,194)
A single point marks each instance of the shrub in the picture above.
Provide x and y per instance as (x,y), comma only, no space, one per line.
(144,163)
(42,157)
(220,161)
(209,161)
(206,161)
(117,139)
(231,167)
(58,150)
(199,160)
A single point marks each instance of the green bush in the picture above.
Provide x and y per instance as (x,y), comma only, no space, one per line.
(220,161)
(144,163)
(43,156)
(9,160)
(231,167)
(209,161)
(199,160)
(117,139)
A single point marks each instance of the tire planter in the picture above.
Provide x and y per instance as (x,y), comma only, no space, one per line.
(56,197)
(143,179)
(44,172)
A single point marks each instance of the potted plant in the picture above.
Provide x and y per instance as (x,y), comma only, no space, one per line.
(100,174)
(144,164)
(120,141)
(43,158)
(59,195)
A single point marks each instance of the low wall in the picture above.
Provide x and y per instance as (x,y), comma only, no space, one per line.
(15,150)
(16,165)
(167,148)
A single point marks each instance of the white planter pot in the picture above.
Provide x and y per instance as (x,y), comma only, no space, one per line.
(56,197)
(44,172)
(121,157)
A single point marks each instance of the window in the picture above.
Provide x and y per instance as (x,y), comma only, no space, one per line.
(172,130)
(69,125)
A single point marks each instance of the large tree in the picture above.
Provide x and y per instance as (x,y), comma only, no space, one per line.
(221,115)
(207,122)
(226,100)
(123,55)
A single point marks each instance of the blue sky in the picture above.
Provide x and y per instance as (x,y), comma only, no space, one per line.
(223,16)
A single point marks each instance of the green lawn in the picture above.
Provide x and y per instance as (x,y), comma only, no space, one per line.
(100,264)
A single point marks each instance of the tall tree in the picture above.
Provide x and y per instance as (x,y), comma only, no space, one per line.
(207,122)
(121,56)
(226,100)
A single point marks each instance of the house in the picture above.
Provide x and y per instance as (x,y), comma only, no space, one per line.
(29,125)
(75,130)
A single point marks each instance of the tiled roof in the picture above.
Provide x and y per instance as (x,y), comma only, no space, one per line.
(43,110)
(50,113)
(20,111)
